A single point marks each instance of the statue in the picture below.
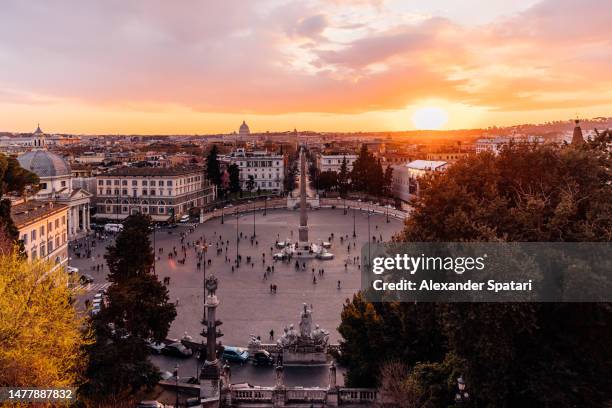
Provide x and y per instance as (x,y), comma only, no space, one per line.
(254,343)
(320,336)
(306,322)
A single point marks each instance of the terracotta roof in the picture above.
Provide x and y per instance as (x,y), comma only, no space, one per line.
(34,210)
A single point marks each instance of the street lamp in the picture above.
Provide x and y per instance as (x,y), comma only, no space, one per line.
(344,198)
(176,377)
(461,396)
(237,238)
(254,235)
(204,247)
(369,236)
(222,208)
(354,223)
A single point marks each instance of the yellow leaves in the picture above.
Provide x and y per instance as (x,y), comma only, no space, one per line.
(41,335)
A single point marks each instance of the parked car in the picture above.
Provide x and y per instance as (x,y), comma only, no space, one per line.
(166,375)
(262,358)
(85,278)
(184,218)
(236,354)
(177,350)
(193,402)
(150,404)
(280,256)
(113,227)
(155,347)
(72,270)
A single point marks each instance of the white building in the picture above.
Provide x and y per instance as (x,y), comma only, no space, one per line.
(56,184)
(406,177)
(267,169)
(333,162)
(162,192)
(496,144)
(43,229)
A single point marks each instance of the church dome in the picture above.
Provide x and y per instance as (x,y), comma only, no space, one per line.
(44,163)
(244,129)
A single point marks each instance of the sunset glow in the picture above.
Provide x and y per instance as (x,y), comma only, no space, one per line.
(343,65)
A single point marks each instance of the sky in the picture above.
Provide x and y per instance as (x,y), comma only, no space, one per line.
(197,67)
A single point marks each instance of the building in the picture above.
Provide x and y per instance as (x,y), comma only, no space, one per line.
(333,162)
(43,229)
(496,144)
(447,156)
(56,184)
(267,169)
(244,131)
(406,177)
(162,192)
(577,138)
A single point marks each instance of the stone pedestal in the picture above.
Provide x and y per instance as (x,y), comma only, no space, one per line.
(209,379)
(301,356)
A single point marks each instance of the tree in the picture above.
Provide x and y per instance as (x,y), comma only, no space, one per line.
(328,180)
(250,183)
(42,335)
(343,178)
(12,178)
(234,178)
(213,169)
(511,354)
(388,182)
(137,310)
(359,174)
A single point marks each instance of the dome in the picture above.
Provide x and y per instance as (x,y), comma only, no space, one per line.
(244,129)
(44,163)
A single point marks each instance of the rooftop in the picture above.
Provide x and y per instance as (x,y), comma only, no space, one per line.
(154,171)
(32,211)
(426,164)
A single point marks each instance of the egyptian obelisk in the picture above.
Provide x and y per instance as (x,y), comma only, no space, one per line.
(303,230)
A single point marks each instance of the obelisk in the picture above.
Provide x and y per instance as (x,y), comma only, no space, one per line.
(303,230)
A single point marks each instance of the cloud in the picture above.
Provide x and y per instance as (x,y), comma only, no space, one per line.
(276,56)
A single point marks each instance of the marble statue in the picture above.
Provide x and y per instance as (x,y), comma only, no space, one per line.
(306,322)
(320,336)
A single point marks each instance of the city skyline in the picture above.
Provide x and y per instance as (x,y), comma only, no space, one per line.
(342,65)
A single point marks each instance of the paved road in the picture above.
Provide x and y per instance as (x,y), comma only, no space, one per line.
(247,306)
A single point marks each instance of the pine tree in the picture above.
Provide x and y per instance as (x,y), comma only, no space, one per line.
(213,169)
(343,177)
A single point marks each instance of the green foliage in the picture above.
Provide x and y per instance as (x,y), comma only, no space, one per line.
(328,180)
(250,183)
(234,178)
(12,178)
(510,354)
(343,178)
(213,169)
(137,310)
(367,174)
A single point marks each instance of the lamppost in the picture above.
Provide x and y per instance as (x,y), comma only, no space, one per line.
(237,238)
(354,223)
(266,206)
(204,247)
(387,207)
(369,236)
(344,198)
(254,235)
(176,377)
(222,208)
(462,395)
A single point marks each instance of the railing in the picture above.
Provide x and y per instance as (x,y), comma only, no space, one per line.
(306,394)
(364,206)
(259,394)
(358,395)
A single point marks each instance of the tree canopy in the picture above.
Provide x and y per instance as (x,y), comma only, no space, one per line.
(510,354)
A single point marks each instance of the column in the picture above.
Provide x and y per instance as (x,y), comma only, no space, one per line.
(87,217)
(82,217)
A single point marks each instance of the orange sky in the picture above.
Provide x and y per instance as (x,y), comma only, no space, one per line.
(155,67)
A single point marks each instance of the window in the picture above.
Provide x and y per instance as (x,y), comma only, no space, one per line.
(42,230)
(43,186)
(24,238)
(152,192)
(124,182)
(152,183)
(63,220)
(161,183)
(42,249)
(57,223)
(116,182)
(144,182)
(108,182)
(124,192)
(100,182)
(50,246)
(108,191)
(169,183)
(134,182)
(57,241)
(63,184)
(144,192)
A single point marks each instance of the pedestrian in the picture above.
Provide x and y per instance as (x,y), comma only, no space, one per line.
(272,334)
(338,284)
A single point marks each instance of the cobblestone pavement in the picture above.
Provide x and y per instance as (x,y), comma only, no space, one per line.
(247,306)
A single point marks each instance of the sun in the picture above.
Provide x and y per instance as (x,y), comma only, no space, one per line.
(429,118)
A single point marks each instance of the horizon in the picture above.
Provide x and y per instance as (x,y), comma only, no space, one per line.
(154,68)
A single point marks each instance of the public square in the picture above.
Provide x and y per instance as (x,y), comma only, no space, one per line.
(247,305)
